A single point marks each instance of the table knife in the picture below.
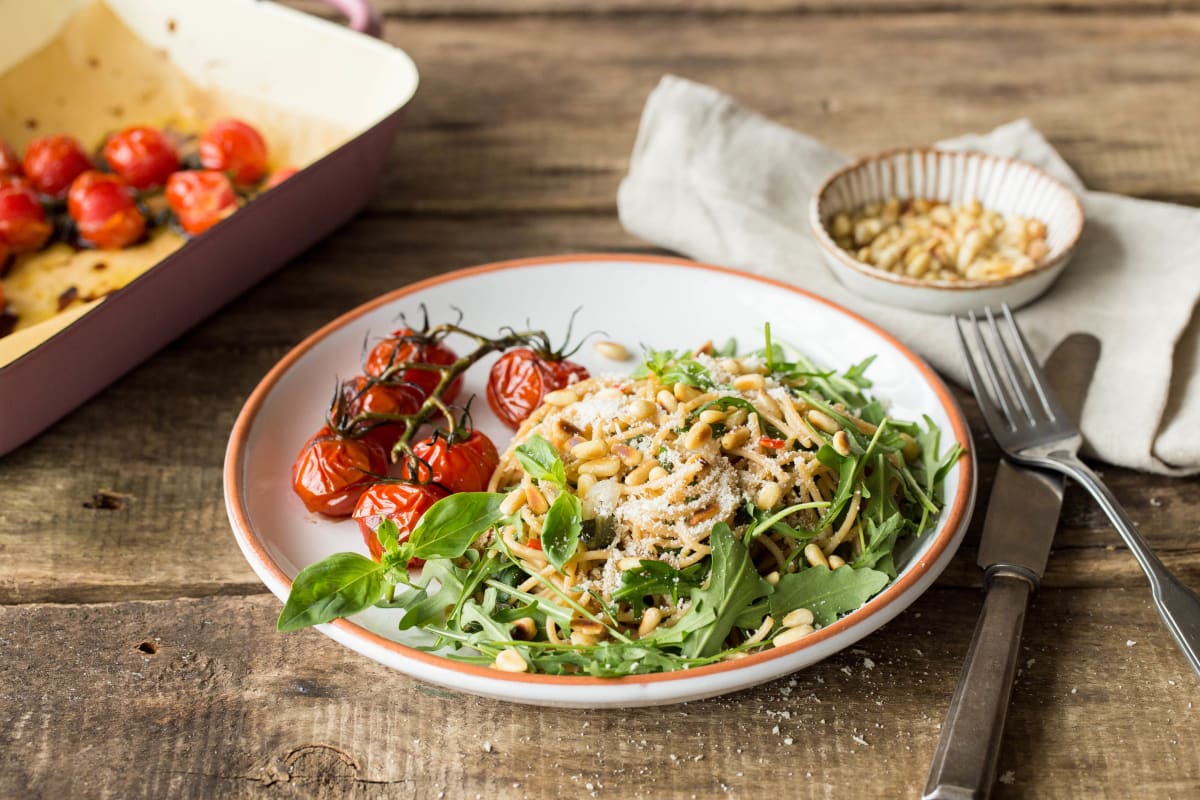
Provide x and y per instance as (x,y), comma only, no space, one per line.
(1018,530)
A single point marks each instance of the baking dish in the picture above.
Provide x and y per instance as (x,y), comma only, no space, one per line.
(257,56)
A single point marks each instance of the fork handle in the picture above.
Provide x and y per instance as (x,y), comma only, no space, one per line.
(964,764)
(1178,605)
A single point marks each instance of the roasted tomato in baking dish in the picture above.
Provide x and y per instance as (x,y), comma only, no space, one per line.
(399,348)
(520,380)
(10,163)
(23,223)
(236,149)
(460,466)
(402,503)
(53,162)
(142,155)
(333,471)
(104,211)
(200,199)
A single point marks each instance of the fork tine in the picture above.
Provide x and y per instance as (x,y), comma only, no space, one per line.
(999,389)
(1036,376)
(1006,358)
(987,405)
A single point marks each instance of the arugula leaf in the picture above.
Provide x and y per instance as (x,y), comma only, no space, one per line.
(539,458)
(654,578)
(560,532)
(847,467)
(451,524)
(672,367)
(727,350)
(442,583)
(337,586)
(881,542)
(733,584)
(825,592)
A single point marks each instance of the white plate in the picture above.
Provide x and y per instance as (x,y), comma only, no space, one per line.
(637,300)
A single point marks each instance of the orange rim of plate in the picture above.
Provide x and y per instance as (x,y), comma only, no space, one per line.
(251,544)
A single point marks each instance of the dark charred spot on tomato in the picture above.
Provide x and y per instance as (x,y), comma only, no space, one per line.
(69,296)
(106,500)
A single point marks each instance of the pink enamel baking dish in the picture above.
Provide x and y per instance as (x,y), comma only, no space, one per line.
(266,52)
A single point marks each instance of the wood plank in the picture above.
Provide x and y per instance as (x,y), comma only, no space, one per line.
(226,707)
(537,114)
(160,433)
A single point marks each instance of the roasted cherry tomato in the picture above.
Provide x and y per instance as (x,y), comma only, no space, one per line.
(395,350)
(279,176)
(5,251)
(104,211)
(402,503)
(332,472)
(10,163)
(53,162)
(142,155)
(23,225)
(200,199)
(233,147)
(521,378)
(363,396)
(464,466)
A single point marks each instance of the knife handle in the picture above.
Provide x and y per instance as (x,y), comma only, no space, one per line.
(964,764)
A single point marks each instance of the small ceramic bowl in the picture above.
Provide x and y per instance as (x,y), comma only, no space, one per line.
(1004,185)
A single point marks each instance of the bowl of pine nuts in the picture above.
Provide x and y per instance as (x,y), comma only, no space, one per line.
(945,231)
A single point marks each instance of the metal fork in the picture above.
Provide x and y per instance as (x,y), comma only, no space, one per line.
(1032,429)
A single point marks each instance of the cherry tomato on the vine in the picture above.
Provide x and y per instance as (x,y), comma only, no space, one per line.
(364,396)
(464,466)
(332,472)
(142,155)
(23,224)
(10,163)
(402,503)
(104,211)
(53,162)
(521,378)
(200,199)
(396,350)
(235,148)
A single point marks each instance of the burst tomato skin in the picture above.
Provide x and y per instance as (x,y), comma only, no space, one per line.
(142,155)
(465,466)
(10,163)
(521,378)
(332,472)
(53,162)
(23,223)
(402,503)
(363,396)
(235,148)
(104,211)
(200,199)
(394,350)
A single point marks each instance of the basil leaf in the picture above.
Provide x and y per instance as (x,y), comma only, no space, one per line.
(733,585)
(826,593)
(560,533)
(539,458)
(451,524)
(338,586)
(388,535)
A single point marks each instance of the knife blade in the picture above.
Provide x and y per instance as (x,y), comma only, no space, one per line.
(1018,531)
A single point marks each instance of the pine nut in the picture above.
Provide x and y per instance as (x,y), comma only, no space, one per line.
(586,627)
(814,556)
(510,660)
(667,400)
(613,351)
(536,500)
(561,398)
(792,635)
(628,563)
(585,483)
(730,365)
(703,515)
(798,617)
(524,628)
(657,473)
(699,434)
(911,449)
(628,455)
(639,475)
(735,438)
(746,383)
(768,496)
(841,443)
(586,451)
(512,501)
(772,577)
(642,409)
(823,421)
(712,416)
(836,562)
(684,393)
(601,467)
(650,619)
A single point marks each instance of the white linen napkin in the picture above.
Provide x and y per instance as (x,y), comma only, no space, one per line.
(724,185)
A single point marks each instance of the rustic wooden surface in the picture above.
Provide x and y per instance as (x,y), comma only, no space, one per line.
(137,653)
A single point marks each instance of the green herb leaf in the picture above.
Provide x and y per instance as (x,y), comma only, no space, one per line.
(652,578)
(451,524)
(388,535)
(825,592)
(423,606)
(560,533)
(672,367)
(539,458)
(881,542)
(726,403)
(733,584)
(337,586)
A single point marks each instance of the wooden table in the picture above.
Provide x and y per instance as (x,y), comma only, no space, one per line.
(138,656)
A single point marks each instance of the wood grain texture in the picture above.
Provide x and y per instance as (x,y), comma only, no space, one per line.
(226,707)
